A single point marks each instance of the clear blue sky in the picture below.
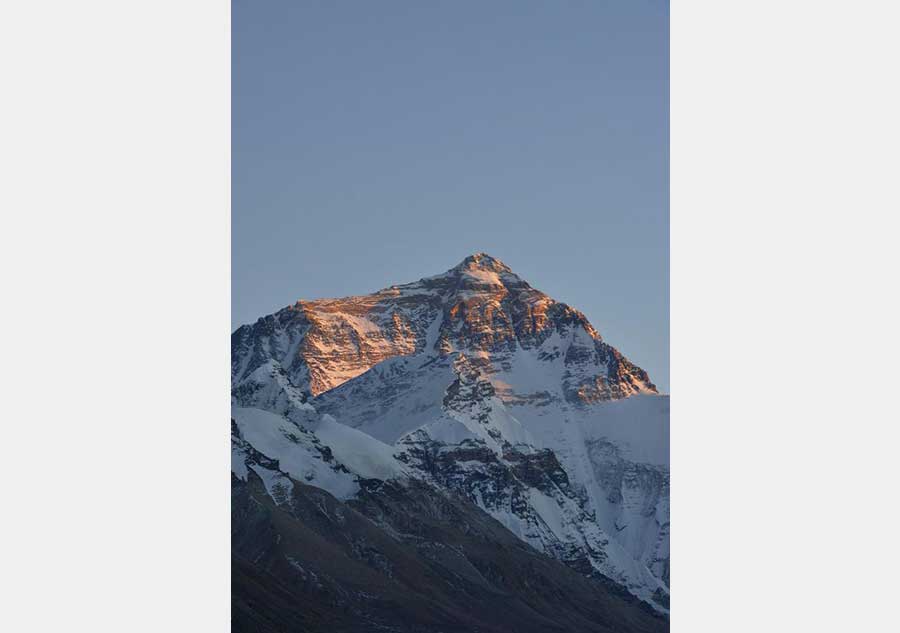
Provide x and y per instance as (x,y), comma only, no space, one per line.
(379,142)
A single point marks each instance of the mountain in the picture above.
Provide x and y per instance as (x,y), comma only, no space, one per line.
(469,386)
(479,307)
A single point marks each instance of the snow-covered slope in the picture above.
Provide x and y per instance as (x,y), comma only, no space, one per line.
(608,511)
(333,457)
(481,386)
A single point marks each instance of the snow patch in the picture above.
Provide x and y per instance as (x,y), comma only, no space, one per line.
(359,452)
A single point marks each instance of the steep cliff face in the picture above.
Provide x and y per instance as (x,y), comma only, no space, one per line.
(482,387)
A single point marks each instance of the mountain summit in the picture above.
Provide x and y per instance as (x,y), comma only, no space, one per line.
(483,261)
(479,308)
(468,385)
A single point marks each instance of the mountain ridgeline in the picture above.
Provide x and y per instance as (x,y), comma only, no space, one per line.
(481,459)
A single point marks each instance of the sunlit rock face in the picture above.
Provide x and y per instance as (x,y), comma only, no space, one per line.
(479,308)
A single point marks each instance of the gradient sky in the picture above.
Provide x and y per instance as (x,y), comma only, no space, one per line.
(375,143)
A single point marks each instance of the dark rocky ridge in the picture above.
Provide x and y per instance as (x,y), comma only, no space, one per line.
(403,559)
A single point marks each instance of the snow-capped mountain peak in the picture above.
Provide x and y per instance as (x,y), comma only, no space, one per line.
(477,384)
(479,306)
(482,261)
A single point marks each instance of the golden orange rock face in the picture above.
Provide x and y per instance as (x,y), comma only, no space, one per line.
(480,306)
(344,338)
